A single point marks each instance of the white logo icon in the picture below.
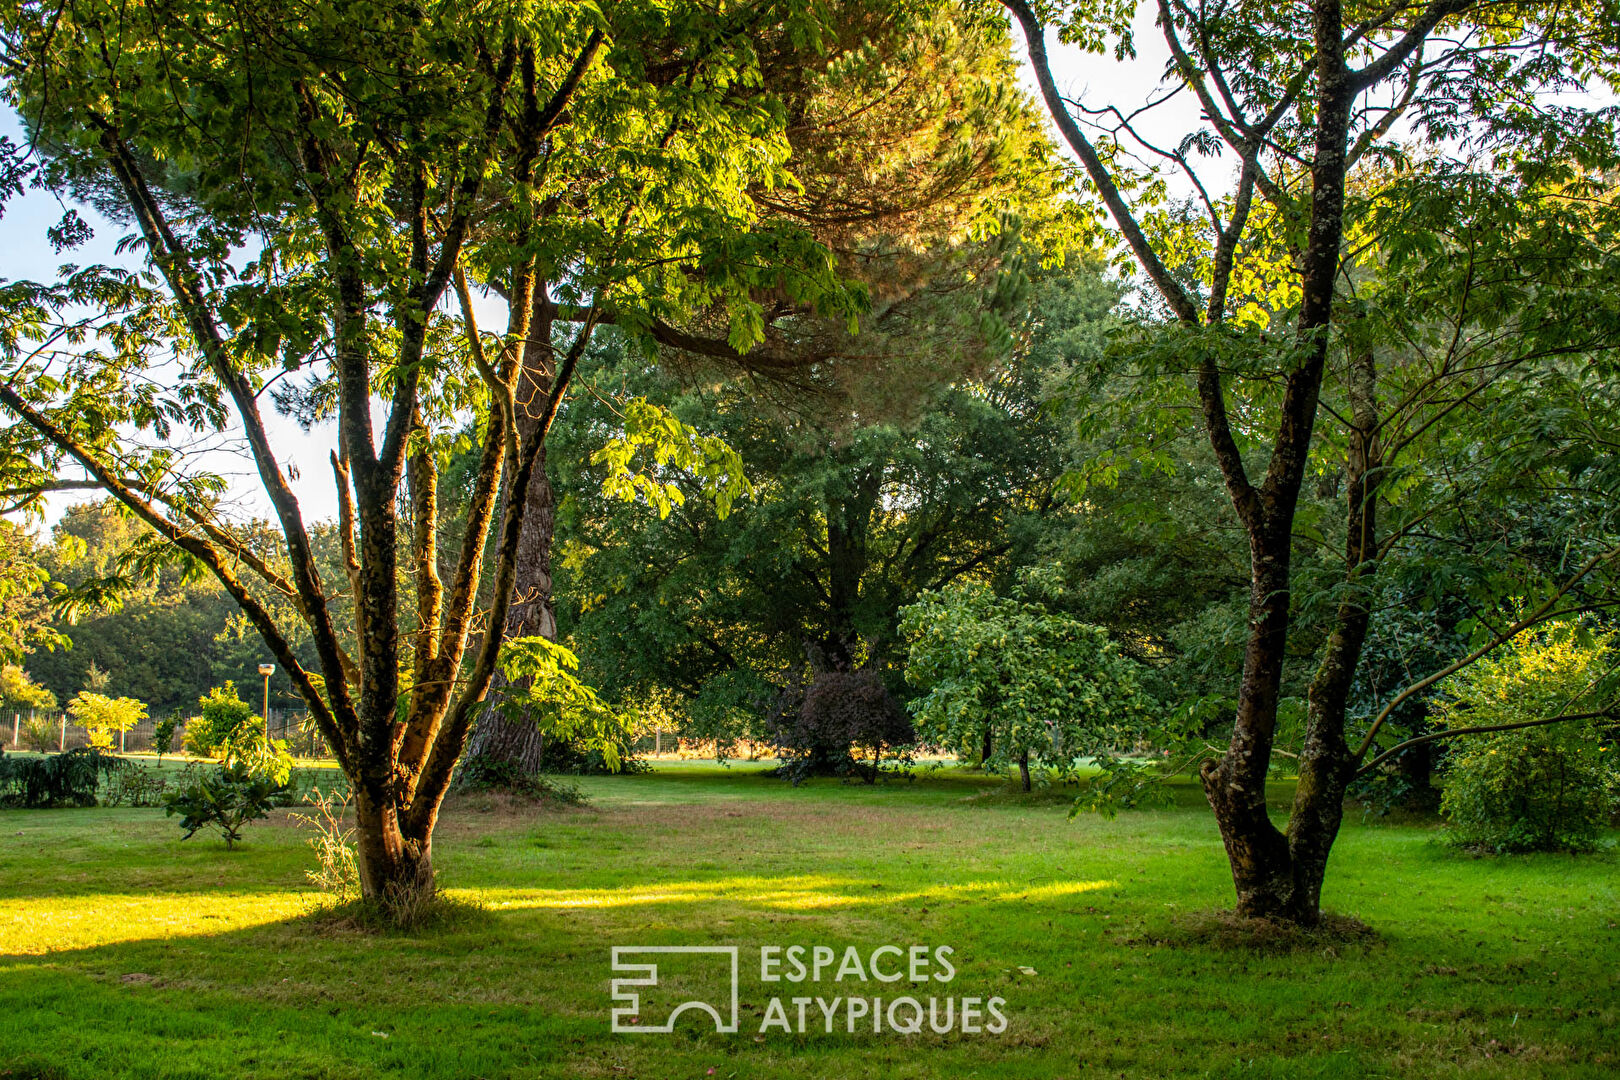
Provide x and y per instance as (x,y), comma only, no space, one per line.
(623,989)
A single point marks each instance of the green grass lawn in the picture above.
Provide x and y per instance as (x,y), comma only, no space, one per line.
(129,954)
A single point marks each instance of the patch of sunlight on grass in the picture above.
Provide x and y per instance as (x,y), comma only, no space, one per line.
(1055,891)
(789,893)
(34,927)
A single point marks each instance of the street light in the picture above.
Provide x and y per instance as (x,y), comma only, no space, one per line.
(267,670)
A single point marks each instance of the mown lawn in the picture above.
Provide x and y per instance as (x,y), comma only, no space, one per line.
(124,953)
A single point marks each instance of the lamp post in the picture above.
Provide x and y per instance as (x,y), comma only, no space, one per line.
(267,670)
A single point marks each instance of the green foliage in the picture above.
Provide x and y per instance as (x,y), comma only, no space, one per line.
(1545,788)
(672,444)
(24,589)
(248,750)
(858,506)
(102,716)
(728,710)
(544,689)
(18,691)
(67,779)
(163,732)
(165,635)
(1031,684)
(134,784)
(222,797)
(223,716)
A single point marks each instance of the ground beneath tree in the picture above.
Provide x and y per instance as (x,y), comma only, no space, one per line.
(129,954)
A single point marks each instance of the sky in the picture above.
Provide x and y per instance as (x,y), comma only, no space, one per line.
(24,254)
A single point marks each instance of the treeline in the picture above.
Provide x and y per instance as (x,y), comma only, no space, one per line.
(163,637)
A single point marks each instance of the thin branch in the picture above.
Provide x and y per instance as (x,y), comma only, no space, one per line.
(1481,729)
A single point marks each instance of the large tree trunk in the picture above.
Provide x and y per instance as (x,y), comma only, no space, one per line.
(391,864)
(1277,875)
(498,738)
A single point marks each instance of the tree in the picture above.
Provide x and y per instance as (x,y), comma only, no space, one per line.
(24,605)
(18,691)
(310,186)
(915,165)
(1011,683)
(1259,284)
(101,715)
(846,524)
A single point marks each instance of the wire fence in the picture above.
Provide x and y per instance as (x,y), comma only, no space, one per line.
(55,731)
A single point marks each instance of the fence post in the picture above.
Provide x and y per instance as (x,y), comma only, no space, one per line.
(61,739)
(14,717)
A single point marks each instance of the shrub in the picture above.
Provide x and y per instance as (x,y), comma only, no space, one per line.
(223,713)
(247,748)
(133,784)
(224,797)
(68,779)
(498,774)
(40,735)
(831,722)
(1544,788)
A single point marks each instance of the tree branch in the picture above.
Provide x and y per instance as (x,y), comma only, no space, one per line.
(1482,729)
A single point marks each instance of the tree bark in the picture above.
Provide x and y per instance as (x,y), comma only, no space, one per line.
(1278,875)
(1023,770)
(498,738)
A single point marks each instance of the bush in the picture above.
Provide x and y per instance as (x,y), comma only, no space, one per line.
(40,735)
(1545,788)
(69,779)
(225,797)
(837,723)
(223,714)
(133,784)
